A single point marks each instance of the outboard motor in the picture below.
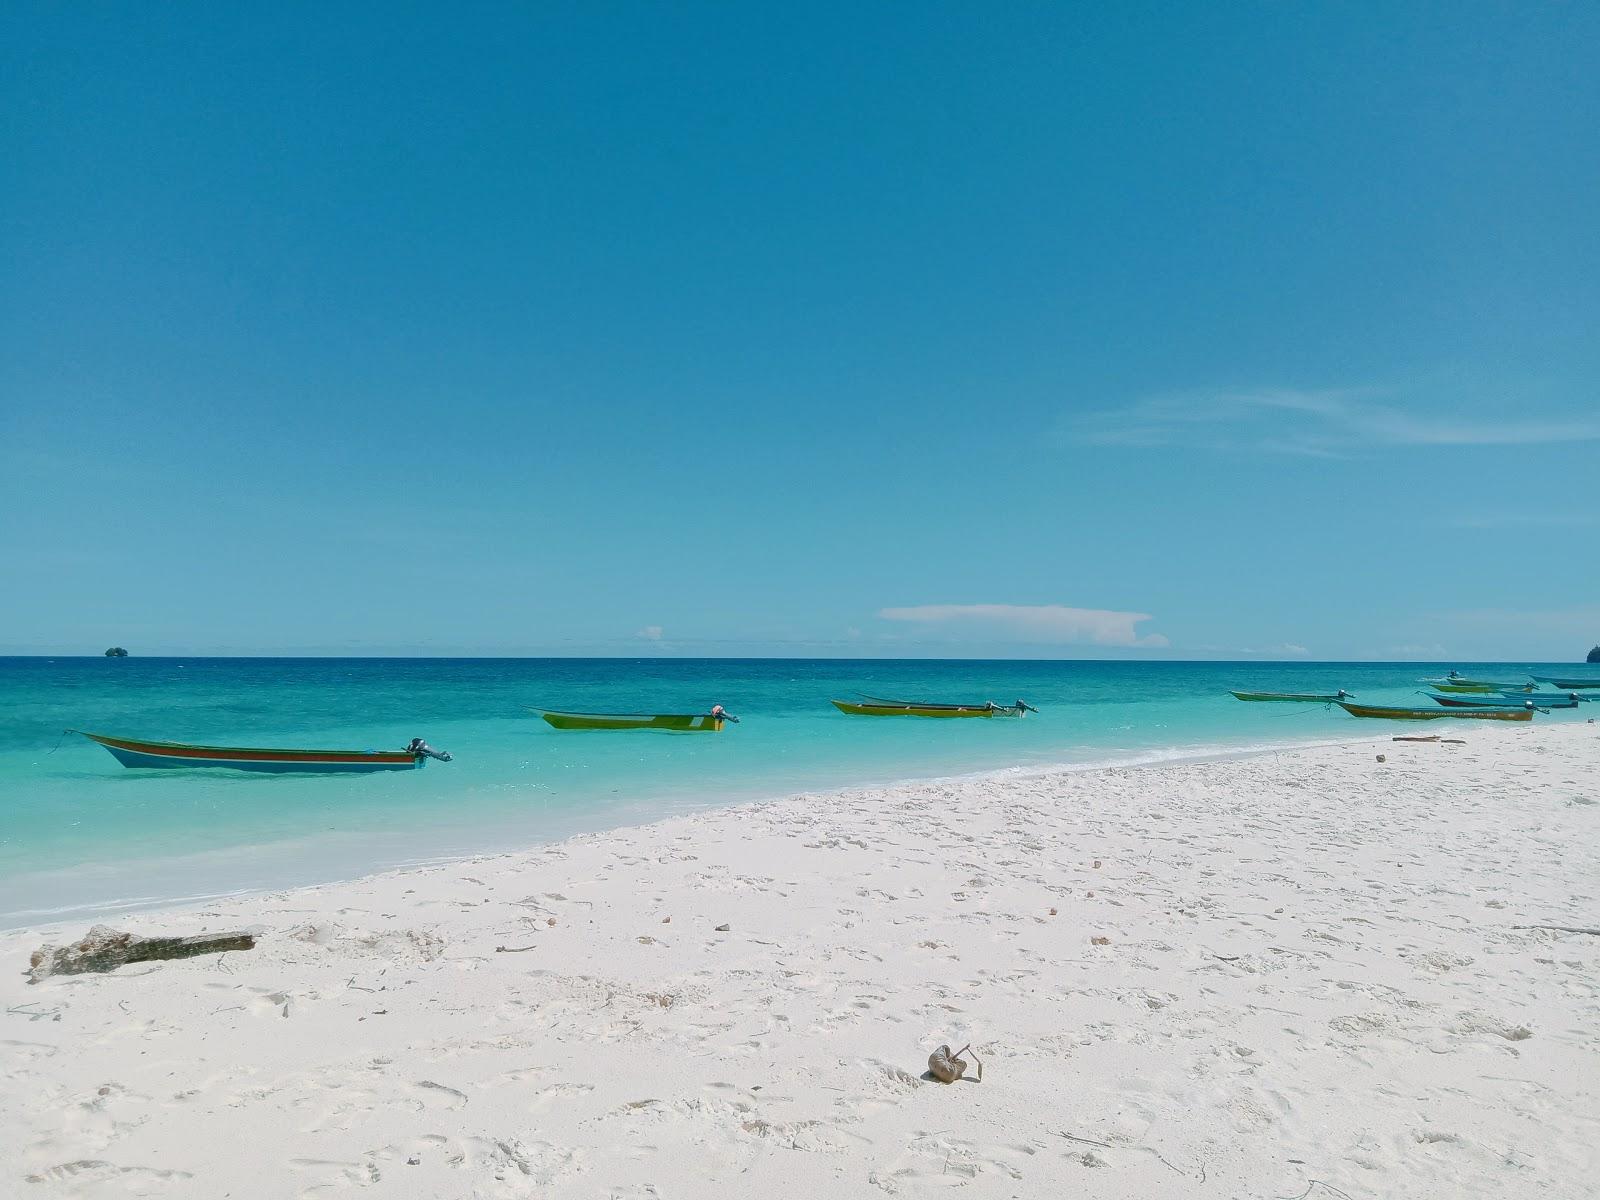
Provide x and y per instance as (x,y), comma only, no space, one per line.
(422,750)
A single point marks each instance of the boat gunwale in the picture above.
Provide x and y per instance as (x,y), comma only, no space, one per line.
(855,708)
(161,749)
(1303,697)
(881,702)
(557,712)
(1396,713)
(1488,701)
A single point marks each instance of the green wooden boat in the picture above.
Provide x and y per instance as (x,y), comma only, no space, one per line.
(1294,697)
(878,706)
(888,708)
(1545,703)
(1385,712)
(1459,683)
(711,722)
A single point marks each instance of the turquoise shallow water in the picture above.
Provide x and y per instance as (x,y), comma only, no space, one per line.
(81,835)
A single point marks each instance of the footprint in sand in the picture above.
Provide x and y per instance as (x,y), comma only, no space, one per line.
(558,1093)
(515,1078)
(269,1003)
(85,1171)
(438,1095)
(334,1174)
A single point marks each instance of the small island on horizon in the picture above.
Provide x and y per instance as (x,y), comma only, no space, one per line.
(116,652)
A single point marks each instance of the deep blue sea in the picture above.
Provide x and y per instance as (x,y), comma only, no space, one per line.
(81,835)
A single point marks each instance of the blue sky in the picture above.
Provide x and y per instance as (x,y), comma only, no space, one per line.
(1055,330)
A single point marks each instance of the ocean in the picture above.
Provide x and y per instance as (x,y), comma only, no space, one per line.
(83,837)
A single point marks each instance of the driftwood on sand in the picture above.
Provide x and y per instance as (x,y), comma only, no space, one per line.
(106,949)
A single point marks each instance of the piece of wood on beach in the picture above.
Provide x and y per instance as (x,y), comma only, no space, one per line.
(106,949)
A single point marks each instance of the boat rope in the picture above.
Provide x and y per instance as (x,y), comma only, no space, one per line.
(60,739)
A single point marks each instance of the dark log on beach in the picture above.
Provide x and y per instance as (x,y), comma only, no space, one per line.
(106,949)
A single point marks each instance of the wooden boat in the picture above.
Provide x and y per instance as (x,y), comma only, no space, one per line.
(1018,709)
(675,722)
(1460,683)
(1538,696)
(1302,697)
(1571,685)
(1546,702)
(903,708)
(135,752)
(1431,714)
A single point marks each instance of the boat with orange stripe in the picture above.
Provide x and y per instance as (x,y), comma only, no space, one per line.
(137,752)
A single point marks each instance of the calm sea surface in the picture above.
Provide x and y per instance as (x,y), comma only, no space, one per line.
(81,835)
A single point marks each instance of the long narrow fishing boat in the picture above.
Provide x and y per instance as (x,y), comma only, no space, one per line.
(1384,712)
(1300,697)
(710,722)
(1571,685)
(1538,696)
(1460,683)
(906,708)
(1017,708)
(136,752)
(1545,702)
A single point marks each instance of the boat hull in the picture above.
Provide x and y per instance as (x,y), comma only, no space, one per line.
(1284,697)
(1506,701)
(1540,698)
(1432,714)
(675,722)
(1571,685)
(132,752)
(912,710)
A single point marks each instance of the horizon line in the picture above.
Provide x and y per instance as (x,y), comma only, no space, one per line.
(790,658)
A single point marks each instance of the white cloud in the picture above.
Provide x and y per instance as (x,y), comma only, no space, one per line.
(1034,622)
(1280,650)
(650,633)
(1432,652)
(1323,423)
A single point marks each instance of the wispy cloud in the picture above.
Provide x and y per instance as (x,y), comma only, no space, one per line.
(1324,423)
(1033,622)
(1580,623)
(650,633)
(1431,652)
(1280,650)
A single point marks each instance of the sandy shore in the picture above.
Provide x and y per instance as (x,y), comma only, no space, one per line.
(1316,979)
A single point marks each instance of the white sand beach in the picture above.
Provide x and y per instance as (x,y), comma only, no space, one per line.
(1299,974)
